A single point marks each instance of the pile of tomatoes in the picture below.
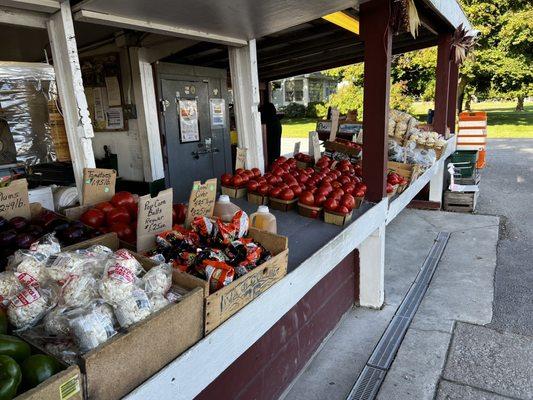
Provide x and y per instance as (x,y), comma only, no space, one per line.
(394,180)
(334,186)
(303,157)
(241,177)
(118,215)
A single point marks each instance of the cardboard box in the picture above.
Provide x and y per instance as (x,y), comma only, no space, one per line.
(119,365)
(65,385)
(334,218)
(258,199)
(225,302)
(282,205)
(236,193)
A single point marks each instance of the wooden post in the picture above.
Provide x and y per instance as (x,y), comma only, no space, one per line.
(452,95)
(372,269)
(71,93)
(442,85)
(147,117)
(245,85)
(377,38)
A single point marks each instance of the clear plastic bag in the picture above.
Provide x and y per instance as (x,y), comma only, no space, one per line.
(396,152)
(158,302)
(133,308)
(79,262)
(56,322)
(29,306)
(9,286)
(175,294)
(120,277)
(79,290)
(158,279)
(92,325)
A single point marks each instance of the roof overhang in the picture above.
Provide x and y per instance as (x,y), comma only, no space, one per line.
(228,22)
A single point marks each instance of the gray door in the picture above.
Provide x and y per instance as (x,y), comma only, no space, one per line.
(206,158)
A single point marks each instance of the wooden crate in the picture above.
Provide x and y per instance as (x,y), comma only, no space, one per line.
(408,171)
(309,211)
(223,303)
(460,201)
(337,218)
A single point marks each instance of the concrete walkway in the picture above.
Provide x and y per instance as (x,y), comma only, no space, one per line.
(416,370)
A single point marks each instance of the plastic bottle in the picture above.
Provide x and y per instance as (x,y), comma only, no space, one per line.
(263,220)
(225,209)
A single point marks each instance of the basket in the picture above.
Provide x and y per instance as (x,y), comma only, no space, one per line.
(309,211)
(234,192)
(335,218)
(282,205)
(258,199)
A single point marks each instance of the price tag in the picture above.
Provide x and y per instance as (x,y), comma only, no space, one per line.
(314,145)
(323,126)
(240,158)
(202,200)
(98,185)
(334,124)
(14,201)
(296,148)
(154,216)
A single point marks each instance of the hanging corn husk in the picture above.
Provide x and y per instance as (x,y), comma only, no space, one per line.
(404,17)
(462,44)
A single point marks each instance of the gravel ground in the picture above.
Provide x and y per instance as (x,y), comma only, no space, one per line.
(506,189)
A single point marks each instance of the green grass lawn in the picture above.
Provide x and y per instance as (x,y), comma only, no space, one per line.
(503,120)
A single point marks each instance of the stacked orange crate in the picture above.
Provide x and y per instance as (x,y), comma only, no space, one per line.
(472,134)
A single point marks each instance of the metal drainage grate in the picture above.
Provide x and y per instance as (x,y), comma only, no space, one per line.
(369,381)
(368,384)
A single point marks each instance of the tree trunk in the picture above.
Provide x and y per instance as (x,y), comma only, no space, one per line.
(468,101)
(520,103)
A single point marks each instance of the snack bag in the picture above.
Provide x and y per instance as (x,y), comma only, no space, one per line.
(218,273)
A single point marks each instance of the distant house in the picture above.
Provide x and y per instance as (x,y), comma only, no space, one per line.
(302,89)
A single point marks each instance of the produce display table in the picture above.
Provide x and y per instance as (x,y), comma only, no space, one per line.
(315,249)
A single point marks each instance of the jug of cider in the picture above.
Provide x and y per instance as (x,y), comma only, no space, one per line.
(263,220)
(225,209)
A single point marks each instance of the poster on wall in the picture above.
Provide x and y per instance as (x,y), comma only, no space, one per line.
(188,114)
(103,89)
(218,115)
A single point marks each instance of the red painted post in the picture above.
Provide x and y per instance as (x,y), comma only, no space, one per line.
(452,95)
(377,38)
(440,120)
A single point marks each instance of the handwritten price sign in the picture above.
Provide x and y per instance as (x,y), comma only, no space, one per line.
(240,158)
(98,185)
(155,216)
(14,201)
(202,200)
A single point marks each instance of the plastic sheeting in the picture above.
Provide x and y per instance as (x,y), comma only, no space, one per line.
(25,90)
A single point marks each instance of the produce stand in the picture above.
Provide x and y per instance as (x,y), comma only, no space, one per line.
(272,332)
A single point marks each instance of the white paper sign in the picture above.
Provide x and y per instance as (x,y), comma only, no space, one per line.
(218,114)
(240,158)
(188,114)
(99,114)
(334,124)
(113,91)
(114,118)
(314,145)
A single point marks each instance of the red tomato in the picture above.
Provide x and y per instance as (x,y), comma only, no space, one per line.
(257,172)
(319,200)
(359,193)
(281,159)
(307,198)
(263,189)
(133,209)
(348,201)
(93,218)
(237,181)
(296,189)
(336,184)
(337,193)
(331,204)
(344,180)
(274,192)
(252,186)
(287,194)
(390,188)
(105,206)
(124,231)
(327,187)
(122,199)
(226,179)
(312,190)
(349,188)
(343,210)
(245,178)
(272,180)
(278,171)
(239,171)
(302,178)
(119,214)
(179,212)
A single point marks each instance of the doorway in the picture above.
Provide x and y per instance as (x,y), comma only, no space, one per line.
(194,125)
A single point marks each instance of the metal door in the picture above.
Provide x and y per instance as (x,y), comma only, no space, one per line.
(207,157)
